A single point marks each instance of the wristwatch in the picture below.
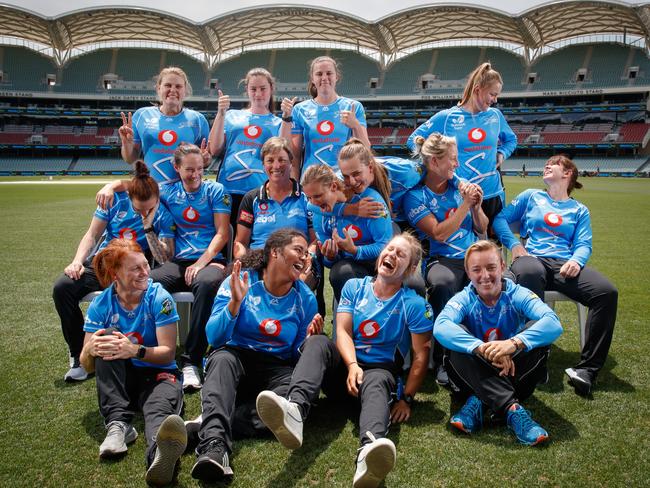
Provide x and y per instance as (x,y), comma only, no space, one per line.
(408,399)
(148,229)
(141,352)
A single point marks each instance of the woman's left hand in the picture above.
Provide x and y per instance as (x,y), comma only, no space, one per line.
(495,350)
(400,412)
(570,269)
(115,346)
(147,220)
(347,244)
(316,325)
(191,272)
(500,159)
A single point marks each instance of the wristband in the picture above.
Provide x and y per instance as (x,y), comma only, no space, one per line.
(148,229)
(351,363)
(408,399)
(287,119)
(518,343)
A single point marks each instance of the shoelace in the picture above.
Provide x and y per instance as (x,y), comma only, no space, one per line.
(521,420)
(472,409)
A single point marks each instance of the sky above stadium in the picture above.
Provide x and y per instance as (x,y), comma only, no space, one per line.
(203,10)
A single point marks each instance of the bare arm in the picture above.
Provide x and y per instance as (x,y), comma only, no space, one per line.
(296,143)
(129,149)
(441,231)
(217,136)
(90,239)
(242,241)
(421,345)
(345,345)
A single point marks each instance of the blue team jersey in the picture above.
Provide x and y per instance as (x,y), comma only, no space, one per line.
(369,235)
(322,131)
(421,201)
(553,229)
(466,322)
(159,135)
(382,328)
(479,137)
(404,174)
(122,222)
(265,323)
(156,309)
(241,169)
(263,215)
(193,215)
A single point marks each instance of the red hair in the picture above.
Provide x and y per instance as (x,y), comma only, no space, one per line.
(107,261)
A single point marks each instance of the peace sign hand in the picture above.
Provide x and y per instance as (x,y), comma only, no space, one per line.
(126,131)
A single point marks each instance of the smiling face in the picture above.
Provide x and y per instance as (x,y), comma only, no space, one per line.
(277,166)
(133,274)
(445,166)
(485,270)
(190,171)
(171,91)
(144,207)
(259,92)
(554,172)
(292,258)
(321,195)
(356,175)
(487,96)
(323,76)
(394,262)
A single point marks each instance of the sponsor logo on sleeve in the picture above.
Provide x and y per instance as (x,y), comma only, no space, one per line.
(167,307)
(246,216)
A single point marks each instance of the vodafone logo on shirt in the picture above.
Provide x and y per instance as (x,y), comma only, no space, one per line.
(354,232)
(450,212)
(167,137)
(270,327)
(476,135)
(190,214)
(128,233)
(252,131)
(552,219)
(492,334)
(369,329)
(325,128)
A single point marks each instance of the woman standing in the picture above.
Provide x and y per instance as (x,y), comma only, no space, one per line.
(554,257)
(324,123)
(483,136)
(158,131)
(240,135)
(130,343)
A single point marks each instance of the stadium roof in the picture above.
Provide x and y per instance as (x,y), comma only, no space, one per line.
(216,32)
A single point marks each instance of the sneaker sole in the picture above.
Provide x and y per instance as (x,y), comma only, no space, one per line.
(271,413)
(379,462)
(171,442)
(460,426)
(211,471)
(581,387)
(130,438)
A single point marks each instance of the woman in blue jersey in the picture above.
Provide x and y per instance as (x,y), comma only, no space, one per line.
(158,131)
(554,257)
(261,316)
(494,358)
(483,136)
(130,343)
(447,214)
(137,215)
(323,124)
(350,245)
(240,135)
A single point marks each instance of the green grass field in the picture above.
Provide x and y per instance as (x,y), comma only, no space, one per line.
(50,431)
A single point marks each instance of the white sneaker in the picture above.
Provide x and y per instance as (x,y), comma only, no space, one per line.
(374,462)
(76,371)
(118,436)
(282,417)
(171,441)
(191,378)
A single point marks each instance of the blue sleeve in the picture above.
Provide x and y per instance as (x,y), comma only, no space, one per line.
(547,327)
(164,224)
(434,124)
(448,329)
(419,315)
(220,200)
(95,315)
(507,138)
(348,293)
(164,308)
(381,230)
(135,119)
(414,207)
(221,323)
(297,126)
(514,212)
(582,238)
(360,113)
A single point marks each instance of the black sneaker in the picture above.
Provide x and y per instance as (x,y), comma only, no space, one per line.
(213,465)
(581,380)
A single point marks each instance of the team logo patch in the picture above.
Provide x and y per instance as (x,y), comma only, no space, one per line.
(190,214)
(226,200)
(128,233)
(252,131)
(428,312)
(476,135)
(553,219)
(167,307)
(450,212)
(166,376)
(369,329)
(245,216)
(325,128)
(492,334)
(264,206)
(354,232)
(271,327)
(167,137)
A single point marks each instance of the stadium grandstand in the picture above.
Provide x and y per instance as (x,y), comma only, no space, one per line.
(576,74)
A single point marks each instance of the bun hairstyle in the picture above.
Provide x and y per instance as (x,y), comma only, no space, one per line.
(311,88)
(107,261)
(269,77)
(436,145)
(354,148)
(323,174)
(570,166)
(142,186)
(258,259)
(481,77)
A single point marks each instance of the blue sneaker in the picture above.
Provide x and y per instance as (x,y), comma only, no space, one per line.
(524,427)
(469,419)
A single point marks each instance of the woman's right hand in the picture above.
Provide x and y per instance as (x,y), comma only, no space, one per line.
(287,106)
(238,285)
(126,131)
(74,270)
(355,378)
(518,251)
(329,249)
(223,103)
(104,197)
(370,208)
